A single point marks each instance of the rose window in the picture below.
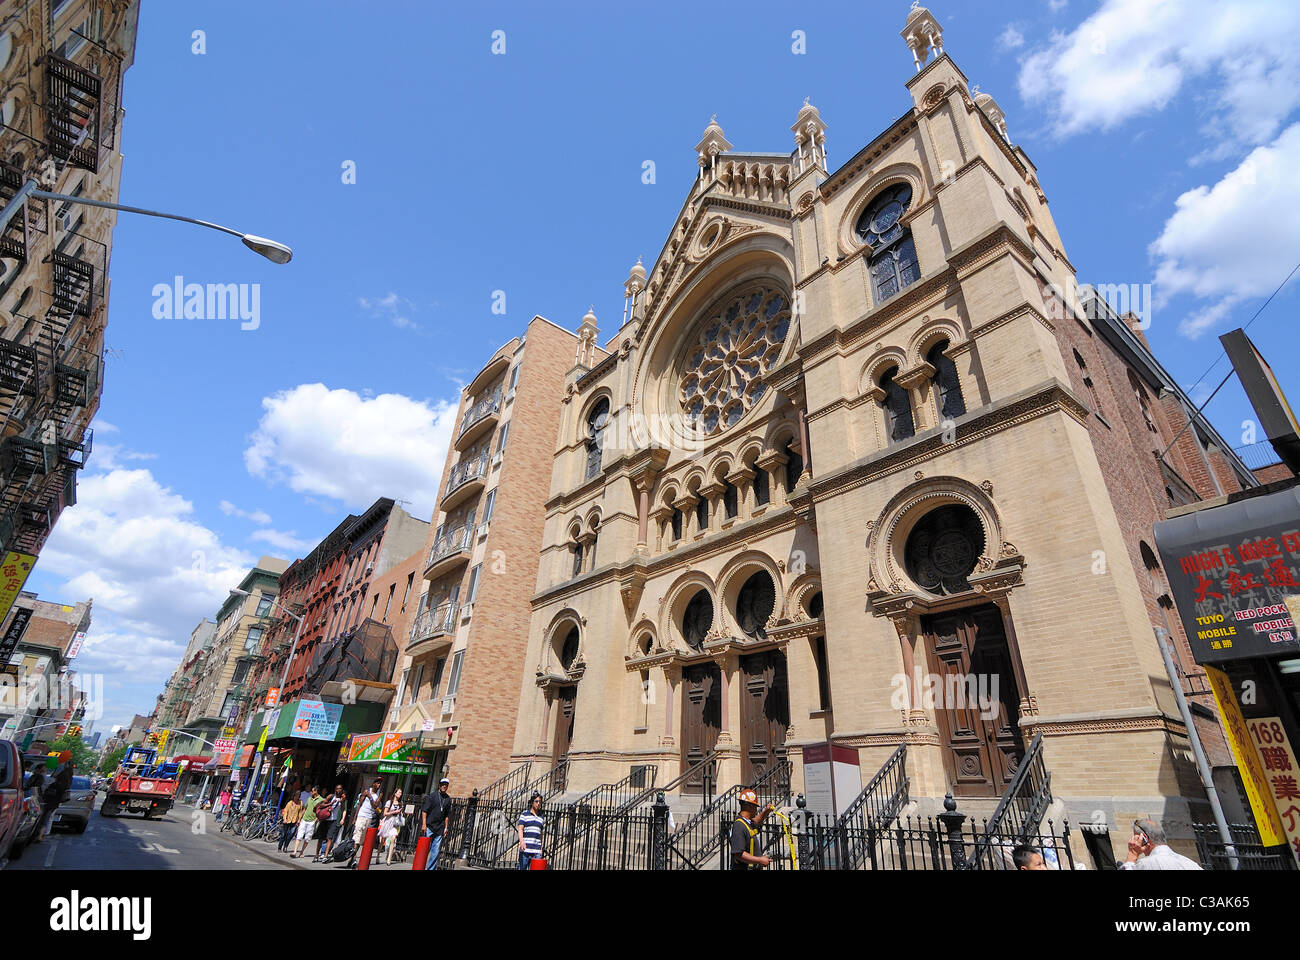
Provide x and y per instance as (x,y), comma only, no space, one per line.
(739,341)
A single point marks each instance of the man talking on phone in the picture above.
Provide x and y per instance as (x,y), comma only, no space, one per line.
(1150,844)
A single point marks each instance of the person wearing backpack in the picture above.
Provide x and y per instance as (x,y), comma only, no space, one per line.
(324,822)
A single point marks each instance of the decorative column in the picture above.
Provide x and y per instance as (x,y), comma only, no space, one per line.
(916,382)
(913,713)
(742,478)
(670,683)
(772,461)
(712,492)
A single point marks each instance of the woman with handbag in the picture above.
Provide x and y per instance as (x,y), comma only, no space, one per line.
(392,822)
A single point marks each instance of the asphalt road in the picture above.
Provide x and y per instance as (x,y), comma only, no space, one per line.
(172,842)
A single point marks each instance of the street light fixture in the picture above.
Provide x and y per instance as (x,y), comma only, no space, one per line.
(273,250)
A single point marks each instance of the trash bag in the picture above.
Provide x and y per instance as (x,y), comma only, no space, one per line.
(343,850)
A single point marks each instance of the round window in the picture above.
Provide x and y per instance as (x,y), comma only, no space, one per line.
(943,549)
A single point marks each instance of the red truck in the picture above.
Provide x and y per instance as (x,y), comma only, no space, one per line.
(140,786)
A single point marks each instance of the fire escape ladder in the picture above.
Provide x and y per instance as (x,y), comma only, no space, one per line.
(73,105)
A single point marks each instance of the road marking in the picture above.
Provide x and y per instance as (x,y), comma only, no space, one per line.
(49,857)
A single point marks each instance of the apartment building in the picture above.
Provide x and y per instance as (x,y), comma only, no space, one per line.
(463,656)
(40,694)
(61,67)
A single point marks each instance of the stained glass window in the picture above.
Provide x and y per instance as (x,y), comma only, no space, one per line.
(739,340)
(596,421)
(893,254)
(754,604)
(946,381)
(697,619)
(898,407)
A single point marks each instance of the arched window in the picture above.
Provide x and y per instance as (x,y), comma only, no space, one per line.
(730,499)
(943,549)
(1143,403)
(761,492)
(947,385)
(702,514)
(677,524)
(576,547)
(697,619)
(816,608)
(569,652)
(596,421)
(893,254)
(793,465)
(1087,382)
(754,604)
(898,407)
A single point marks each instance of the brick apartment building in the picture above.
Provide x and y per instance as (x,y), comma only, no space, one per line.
(62,80)
(40,693)
(464,657)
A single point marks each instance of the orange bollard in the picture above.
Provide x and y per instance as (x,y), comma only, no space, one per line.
(421,853)
(367,848)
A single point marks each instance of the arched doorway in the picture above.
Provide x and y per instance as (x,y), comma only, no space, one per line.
(975,695)
(765,688)
(566,698)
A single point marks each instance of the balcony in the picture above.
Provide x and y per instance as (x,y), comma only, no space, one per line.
(75,453)
(434,624)
(479,420)
(73,112)
(21,459)
(74,286)
(449,550)
(466,480)
(15,240)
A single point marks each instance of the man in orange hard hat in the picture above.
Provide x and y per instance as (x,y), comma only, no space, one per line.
(744,853)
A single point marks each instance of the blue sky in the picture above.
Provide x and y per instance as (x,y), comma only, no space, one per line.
(1161,132)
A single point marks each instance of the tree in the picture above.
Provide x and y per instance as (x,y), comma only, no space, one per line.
(82,755)
(111,760)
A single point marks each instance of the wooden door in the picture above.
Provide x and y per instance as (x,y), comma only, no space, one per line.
(701,718)
(764,712)
(565,699)
(981,733)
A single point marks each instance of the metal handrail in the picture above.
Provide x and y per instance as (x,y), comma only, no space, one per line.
(1023,805)
(647,794)
(601,803)
(893,770)
(502,787)
(439,619)
(773,786)
(453,541)
(466,471)
(484,408)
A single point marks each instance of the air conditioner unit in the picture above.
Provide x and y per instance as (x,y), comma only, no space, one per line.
(64,219)
(466,610)
(496,459)
(448,705)
(483,528)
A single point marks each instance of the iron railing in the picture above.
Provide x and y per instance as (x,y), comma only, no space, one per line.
(1024,803)
(880,802)
(493,835)
(484,408)
(705,768)
(453,541)
(598,804)
(1251,852)
(434,621)
(466,471)
(691,844)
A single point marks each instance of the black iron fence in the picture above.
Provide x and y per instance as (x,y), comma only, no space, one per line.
(1251,854)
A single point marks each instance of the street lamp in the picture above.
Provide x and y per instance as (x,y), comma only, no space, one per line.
(274,251)
(284,676)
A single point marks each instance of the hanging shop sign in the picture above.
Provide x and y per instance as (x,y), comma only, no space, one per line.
(17,626)
(1253,775)
(13,574)
(317,720)
(1231,569)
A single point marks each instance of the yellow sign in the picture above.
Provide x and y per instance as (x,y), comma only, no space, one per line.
(261,742)
(13,574)
(1279,763)
(1253,777)
(162,740)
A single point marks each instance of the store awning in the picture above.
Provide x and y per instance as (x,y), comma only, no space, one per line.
(410,747)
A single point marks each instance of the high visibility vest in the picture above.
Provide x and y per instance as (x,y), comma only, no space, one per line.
(753,832)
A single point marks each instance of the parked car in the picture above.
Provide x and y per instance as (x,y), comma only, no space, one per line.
(20,805)
(75,810)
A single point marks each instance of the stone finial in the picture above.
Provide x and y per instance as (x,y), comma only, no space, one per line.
(809,138)
(922,34)
(711,144)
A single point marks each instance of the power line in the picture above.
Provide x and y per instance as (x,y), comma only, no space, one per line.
(1223,353)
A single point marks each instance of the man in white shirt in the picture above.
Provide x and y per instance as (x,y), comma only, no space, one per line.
(1151,845)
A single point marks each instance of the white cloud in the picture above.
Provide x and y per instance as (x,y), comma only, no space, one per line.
(337,444)
(1133,57)
(391,307)
(1227,242)
(132,545)
(1056,6)
(259,517)
(286,541)
(1011,38)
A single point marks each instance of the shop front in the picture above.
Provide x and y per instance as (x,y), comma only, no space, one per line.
(1234,571)
(413,761)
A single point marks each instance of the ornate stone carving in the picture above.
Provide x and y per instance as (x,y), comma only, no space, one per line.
(1009,549)
(987,487)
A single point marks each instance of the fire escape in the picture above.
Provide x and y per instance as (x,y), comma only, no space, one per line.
(45,384)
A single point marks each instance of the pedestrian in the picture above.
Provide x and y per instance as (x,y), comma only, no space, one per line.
(434,821)
(392,822)
(223,801)
(338,813)
(325,812)
(1150,843)
(56,791)
(1027,857)
(36,783)
(289,818)
(531,824)
(367,811)
(307,825)
(744,852)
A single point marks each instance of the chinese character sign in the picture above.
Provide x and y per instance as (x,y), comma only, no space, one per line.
(1231,570)
(1281,771)
(13,574)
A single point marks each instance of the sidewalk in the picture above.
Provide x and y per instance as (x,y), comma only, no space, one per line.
(270,851)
